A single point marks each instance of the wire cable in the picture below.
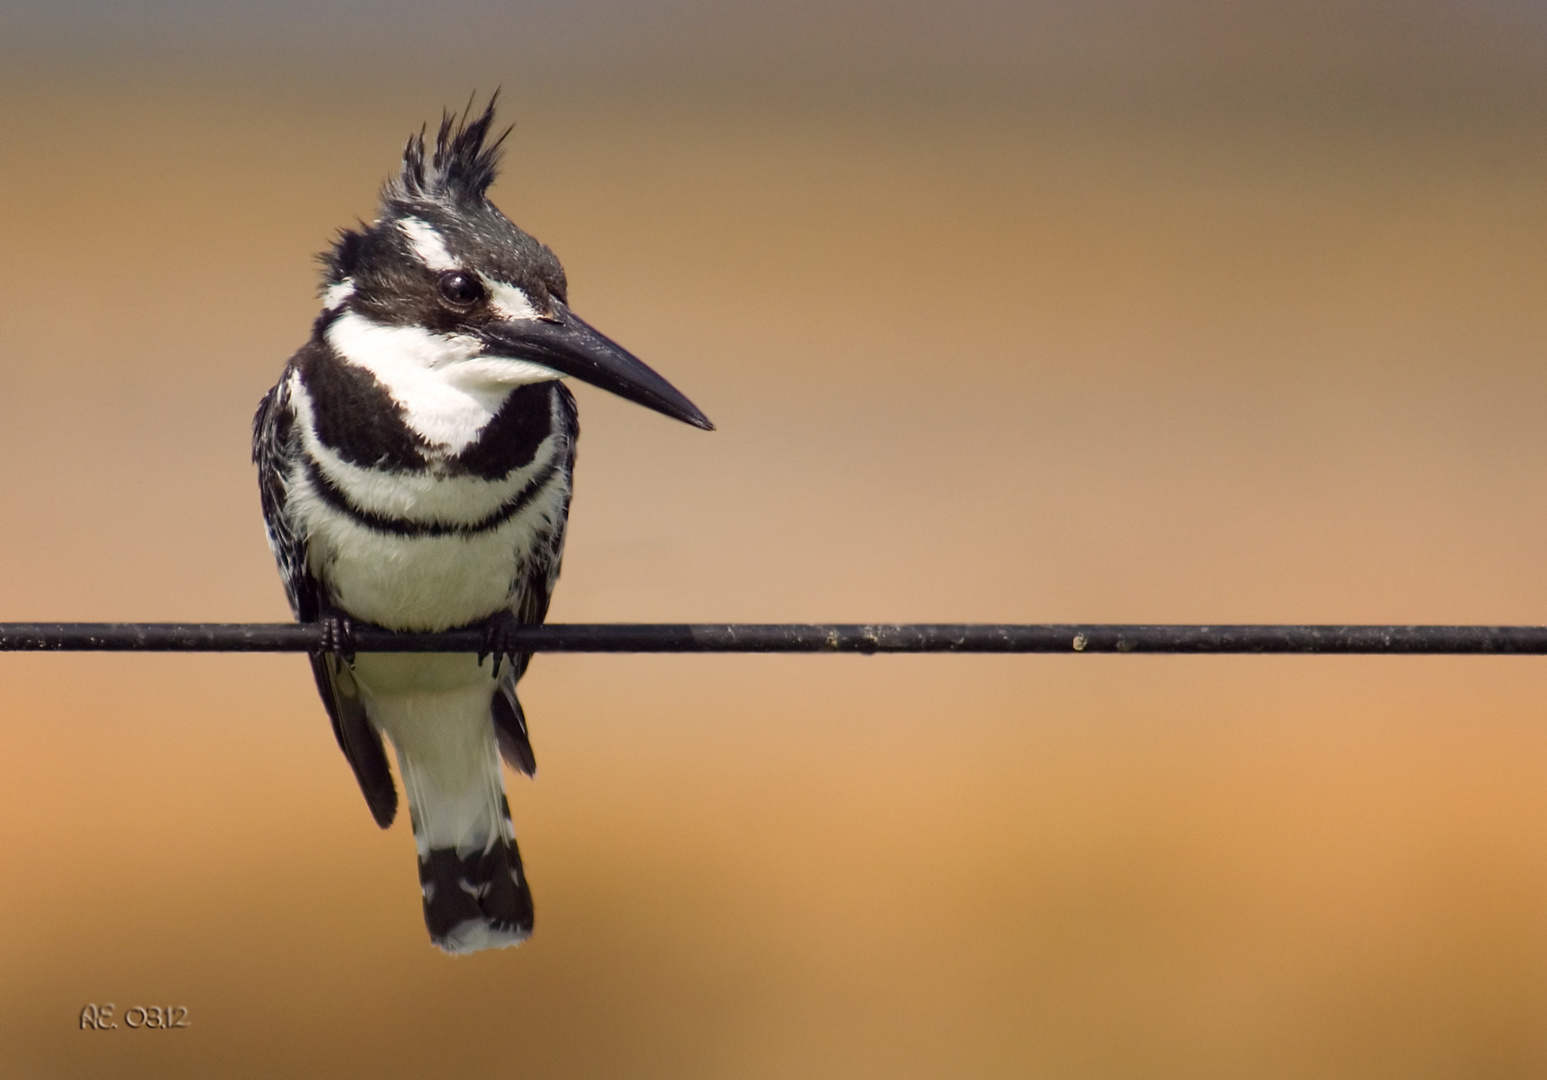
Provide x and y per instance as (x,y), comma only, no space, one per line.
(794,638)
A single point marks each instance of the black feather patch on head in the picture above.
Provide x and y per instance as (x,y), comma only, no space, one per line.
(339,263)
(463,166)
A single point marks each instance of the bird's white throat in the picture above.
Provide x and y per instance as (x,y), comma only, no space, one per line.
(447,389)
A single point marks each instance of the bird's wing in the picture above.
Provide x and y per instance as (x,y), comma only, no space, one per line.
(531,606)
(274,444)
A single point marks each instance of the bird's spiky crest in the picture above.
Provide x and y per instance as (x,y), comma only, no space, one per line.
(464,164)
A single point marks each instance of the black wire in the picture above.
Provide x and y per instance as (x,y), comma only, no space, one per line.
(794,638)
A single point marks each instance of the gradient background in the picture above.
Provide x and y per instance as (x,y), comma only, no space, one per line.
(1180,311)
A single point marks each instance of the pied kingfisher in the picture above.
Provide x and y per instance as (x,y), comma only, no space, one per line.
(415,463)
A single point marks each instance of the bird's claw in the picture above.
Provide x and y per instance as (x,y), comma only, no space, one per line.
(499,640)
(338,638)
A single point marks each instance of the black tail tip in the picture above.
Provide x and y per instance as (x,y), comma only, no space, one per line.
(478,901)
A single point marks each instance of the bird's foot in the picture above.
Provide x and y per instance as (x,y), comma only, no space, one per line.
(499,639)
(338,638)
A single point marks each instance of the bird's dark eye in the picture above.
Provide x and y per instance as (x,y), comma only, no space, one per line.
(459,288)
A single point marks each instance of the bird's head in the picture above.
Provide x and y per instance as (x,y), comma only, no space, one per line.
(444,281)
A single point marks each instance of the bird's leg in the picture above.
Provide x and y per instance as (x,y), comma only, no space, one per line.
(338,637)
(499,639)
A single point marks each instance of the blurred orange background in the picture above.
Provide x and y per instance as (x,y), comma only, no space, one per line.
(1114,312)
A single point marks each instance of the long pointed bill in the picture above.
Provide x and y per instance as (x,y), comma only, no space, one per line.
(570,346)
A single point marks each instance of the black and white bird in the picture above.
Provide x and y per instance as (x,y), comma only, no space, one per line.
(415,464)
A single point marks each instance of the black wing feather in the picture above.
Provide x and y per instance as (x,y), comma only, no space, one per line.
(274,442)
(542,573)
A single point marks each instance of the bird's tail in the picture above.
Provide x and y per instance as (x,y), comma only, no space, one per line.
(475,892)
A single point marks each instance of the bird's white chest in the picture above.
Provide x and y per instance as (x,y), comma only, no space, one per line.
(426,582)
(436,551)
(420,583)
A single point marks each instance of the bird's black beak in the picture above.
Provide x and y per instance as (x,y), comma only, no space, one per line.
(569,345)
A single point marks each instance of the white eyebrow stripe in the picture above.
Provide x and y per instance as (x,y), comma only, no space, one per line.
(427,244)
(509,301)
